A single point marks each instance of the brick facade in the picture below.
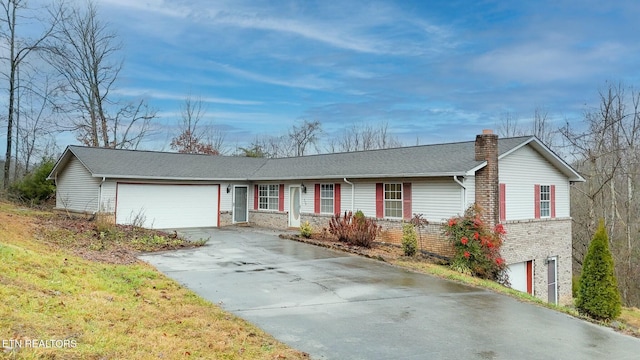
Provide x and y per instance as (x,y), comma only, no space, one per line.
(487,182)
(538,240)
(269,219)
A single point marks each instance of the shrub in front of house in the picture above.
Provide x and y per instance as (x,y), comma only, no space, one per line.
(409,239)
(598,295)
(354,229)
(477,246)
(306,230)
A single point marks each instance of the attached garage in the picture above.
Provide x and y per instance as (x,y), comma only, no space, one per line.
(166,206)
(521,276)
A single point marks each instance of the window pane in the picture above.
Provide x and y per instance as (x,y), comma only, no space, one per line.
(268,197)
(393,209)
(326,198)
(545,200)
(393,200)
(545,193)
(544,209)
(326,206)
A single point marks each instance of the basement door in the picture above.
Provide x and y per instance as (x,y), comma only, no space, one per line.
(164,206)
(552,278)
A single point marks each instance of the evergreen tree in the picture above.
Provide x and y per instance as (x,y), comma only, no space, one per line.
(598,295)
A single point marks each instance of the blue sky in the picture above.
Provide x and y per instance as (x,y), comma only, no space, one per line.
(435,71)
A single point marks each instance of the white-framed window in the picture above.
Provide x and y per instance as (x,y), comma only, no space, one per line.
(268,197)
(545,201)
(393,200)
(326,198)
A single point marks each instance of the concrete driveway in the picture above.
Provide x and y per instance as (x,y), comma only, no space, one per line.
(338,306)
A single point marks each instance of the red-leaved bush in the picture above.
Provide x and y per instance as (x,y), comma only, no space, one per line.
(477,246)
(354,229)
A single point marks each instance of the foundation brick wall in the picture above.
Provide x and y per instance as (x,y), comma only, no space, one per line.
(317,221)
(430,237)
(269,219)
(225,218)
(537,240)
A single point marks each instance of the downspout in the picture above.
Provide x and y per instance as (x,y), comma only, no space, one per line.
(464,192)
(100,194)
(353,192)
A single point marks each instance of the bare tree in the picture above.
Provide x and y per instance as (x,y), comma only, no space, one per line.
(305,134)
(86,56)
(541,126)
(359,137)
(17,49)
(606,153)
(509,125)
(35,132)
(191,138)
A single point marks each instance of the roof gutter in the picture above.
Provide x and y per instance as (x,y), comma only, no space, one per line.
(353,192)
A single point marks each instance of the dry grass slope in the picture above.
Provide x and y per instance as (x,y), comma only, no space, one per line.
(109,311)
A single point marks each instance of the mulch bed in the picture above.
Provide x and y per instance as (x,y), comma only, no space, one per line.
(379,251)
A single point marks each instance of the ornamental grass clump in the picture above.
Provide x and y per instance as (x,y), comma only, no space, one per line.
(598,295)
(477,246)
(354,229)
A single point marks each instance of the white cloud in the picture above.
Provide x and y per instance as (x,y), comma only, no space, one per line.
(151,93)
(546,61)
(310,82)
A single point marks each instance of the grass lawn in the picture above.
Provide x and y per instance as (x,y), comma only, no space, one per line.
(84,309)
(628,322)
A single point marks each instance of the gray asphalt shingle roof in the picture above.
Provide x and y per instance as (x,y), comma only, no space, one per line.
(164,165)
(425,160)
(415,161)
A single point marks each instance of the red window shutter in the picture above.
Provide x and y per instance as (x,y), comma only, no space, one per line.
(553,201)
(255,197)
(406,201)
(530,277)
(503,202)
(316,199)
(336,198)
(281,198)
(379,200)
(536,201)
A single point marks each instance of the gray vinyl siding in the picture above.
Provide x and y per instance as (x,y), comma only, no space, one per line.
(366,198)
(470,184)
(437,199)
(108,197)
(76,189)
(308,200)
(520,172)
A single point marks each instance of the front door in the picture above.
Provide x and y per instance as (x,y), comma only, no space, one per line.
(240,204)
(294,206)
(552,279)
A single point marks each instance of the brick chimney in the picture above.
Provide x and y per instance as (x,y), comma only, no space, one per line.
(487,183)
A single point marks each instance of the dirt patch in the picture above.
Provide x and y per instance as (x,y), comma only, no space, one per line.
(105,242)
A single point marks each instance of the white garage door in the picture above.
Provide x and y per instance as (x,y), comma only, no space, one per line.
(161,206)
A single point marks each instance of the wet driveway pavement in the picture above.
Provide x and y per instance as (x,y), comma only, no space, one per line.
(338,306)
